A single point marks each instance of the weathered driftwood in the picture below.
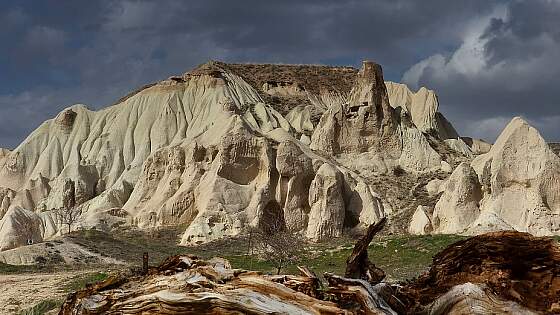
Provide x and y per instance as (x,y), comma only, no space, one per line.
(506,266)
(188,285)
(308,283)
(496,273)
(469,298)
(359,295)
(358,265)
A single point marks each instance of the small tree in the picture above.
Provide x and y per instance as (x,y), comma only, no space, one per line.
(67,216)
(276,244)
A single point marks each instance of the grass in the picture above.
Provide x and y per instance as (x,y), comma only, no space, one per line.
(8,269)
(401,257)
(82,281)
(42,307)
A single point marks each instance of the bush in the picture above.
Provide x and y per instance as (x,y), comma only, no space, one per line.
(42,307)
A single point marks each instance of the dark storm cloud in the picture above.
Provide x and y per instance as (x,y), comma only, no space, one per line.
(508,67)
(57,53)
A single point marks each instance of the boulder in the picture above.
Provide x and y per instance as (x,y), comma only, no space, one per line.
(458,206)
(435,186)
(20,227)
(326,217)
(420,224)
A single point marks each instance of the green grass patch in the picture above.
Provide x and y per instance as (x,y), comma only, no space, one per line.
(82,281)
(401,257)
(42,307)
(6,268)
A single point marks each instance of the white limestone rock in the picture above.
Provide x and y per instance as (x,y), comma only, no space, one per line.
(366,123)
(459,146)
(203,150)
(458,206)
(20,227)
(435,186)
(423,107)
(521,178)
(417,154)
(477,146)
(421,223)
(446,167)
(516,187)
(300,119)
(326,218)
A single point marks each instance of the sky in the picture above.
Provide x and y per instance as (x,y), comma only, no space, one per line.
(488,60)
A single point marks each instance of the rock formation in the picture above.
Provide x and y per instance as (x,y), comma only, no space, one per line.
(326,217)
(225,147)
(516,185)
(423,108)
(208,150)
(421,222)
(23,227)
(478,146)
(458,206)
(366,122)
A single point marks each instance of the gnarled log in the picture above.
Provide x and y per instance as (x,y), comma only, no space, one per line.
(358,265)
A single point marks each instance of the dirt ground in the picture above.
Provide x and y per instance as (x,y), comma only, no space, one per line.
(22,291)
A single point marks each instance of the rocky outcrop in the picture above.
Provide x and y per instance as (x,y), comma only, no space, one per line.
(326,217)
(198,150)
(366,123)
(423,108)
(296,172)
(20,227)
(521,179)
(458,207)
(421,222)
(417,153)
(369,122)
(477,146)
(223,148)
(516,185)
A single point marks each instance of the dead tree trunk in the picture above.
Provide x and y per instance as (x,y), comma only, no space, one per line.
(358,265)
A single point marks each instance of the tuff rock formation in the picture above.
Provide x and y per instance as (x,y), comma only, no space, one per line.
(208,150)
(515,186)
(225,147)
(369,123)
(366,122)
(423,108)
(478,146)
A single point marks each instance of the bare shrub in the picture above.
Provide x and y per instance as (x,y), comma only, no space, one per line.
(67,216)
(275,244)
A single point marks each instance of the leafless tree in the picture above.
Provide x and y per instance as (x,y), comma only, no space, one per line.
(275,244)
(67,216)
